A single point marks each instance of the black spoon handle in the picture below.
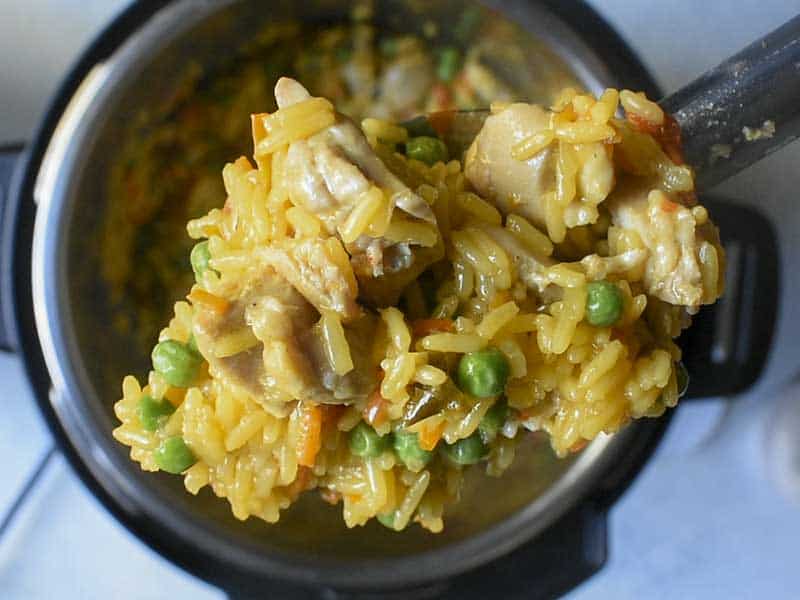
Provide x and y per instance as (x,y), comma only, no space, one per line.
(743,109)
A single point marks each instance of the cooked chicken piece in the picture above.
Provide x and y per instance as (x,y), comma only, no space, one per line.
(520,186)
(320,270)
(285,357)
(513,185)
(675,241)
(273,366)
(327,175)
(328,171)
(363,379)
(295,356)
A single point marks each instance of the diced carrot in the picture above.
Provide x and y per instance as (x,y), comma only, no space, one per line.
(429,436)
(668,135)
(301,482)
(375,411)
(578,446)
(423,327)
(208,300)
(643,125)
(668,206)
(331,413)
(175,395)
(310,434)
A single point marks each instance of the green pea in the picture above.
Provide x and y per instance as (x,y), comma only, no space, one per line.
(467,451)
(387,519)
(603,303)
(419,126)
(177,362)
(174,456)
(483,373)
(200,258)
(429,150)
(449,63)
(365,441)
(152,412)
(406,445)
(493,421)
(681,378)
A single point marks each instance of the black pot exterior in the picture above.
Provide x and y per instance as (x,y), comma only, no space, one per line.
(576,542)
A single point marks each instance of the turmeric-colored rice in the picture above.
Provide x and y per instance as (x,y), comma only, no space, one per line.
(566,377)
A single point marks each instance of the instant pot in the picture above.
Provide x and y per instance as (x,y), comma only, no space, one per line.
(535,541)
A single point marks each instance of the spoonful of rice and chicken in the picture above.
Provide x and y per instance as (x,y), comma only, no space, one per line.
(371,315)
(369,318)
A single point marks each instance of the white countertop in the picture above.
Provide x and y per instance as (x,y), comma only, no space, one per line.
(705,519)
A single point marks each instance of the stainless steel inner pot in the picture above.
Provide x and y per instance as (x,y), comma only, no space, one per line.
(86,358)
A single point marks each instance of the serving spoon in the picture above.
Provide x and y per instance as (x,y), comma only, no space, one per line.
(730,117)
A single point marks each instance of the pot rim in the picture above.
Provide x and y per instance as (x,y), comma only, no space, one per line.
(42,353)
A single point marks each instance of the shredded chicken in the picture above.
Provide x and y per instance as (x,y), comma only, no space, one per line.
(673,238)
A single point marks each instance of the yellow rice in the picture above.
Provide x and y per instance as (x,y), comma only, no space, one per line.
(567,377)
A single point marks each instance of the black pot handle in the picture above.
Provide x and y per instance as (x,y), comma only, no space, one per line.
(726,347)
(9,160)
